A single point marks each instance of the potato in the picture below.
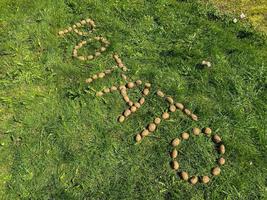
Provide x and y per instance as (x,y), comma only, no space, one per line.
(194,180)
(216,138)
(196,131)
(172,108)
(184,176)
(175,142)
(205,179)
(152,127)
(185,136)
(175,165)
(157,120)
(179,106)
(138,138)
(221,161)
(174,153)
(216,171)
(165,115)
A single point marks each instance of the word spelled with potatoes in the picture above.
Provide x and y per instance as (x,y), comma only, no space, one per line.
(134,106)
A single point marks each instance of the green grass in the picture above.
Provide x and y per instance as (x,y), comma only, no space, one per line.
(58,141)
(255,10)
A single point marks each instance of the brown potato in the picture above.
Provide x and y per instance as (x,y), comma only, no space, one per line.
(172,108)
(205,179)
(217,139)
(174,153)
(165,115)
(152,127)
(184,176)
(175,142)
(138,138)
(185,136)
(157,120)
(175,165)
(179,106)
(196,131)
(194,180)
(216,171)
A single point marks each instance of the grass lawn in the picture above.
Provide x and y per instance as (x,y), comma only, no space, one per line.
(59,141)
(255,11)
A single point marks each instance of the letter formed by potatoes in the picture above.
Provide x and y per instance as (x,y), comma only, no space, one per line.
(215,171)
(134,106)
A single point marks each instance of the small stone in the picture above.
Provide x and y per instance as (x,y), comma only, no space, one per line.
(216,171)
(130,85)
(127,113)
(146,91)
(101,75)
(207,131)
(145,133)
(138,82)
(89,80)
(242,16)
(165,115)
(175,165)
(157,120)
(172,108)
(194,117)
(217,139)
(221,149)
(138,138)
(121,119)
(160,93)
(137,105)
(184,176)
(174,153)
(196,131)
(194,180)
(152,127)
(170,100)
(179,106)
(175,142)
(187,112)
(133,109)
(142,100)
(185,136)
(221,161)
(205,179)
